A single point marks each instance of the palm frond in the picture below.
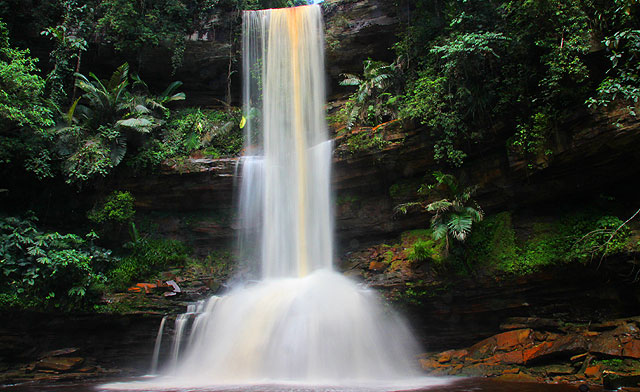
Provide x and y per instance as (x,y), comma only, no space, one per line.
(140,124)
(350,80)
(459,225)
(119,76)
(440,205)
(406,207)
(440,230)
(476,214)
(118,151)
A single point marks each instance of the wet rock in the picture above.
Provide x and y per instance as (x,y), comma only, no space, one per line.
(509,358)
(429,364)
(607,344)
(60,352)
(483,349)
(631,349)
(519,377)
(593,371)
(513,338)
(614,380)
(530,322)
(483,369)
(59,364)
(564,346)
(377,266)
(554,370)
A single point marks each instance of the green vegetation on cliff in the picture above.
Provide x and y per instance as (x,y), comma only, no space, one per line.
(580,236)
(474,71)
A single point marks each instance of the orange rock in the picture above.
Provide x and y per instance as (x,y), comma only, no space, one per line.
(563,346)
(377,266)
(511,371)
(483,348)
(134,289)
(512,357)
(444,357)
(593,371)
(458,354)
(429,364)
(632,349)
(534,352)
(508,358)
(513,338)
(519,377)
(147,287)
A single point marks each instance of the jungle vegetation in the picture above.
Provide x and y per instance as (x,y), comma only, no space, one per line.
(467,72)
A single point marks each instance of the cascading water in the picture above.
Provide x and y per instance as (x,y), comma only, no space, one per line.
(301,322)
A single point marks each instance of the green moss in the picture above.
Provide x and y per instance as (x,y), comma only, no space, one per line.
(347,199)
(574,237)
(404,189)
(492,241)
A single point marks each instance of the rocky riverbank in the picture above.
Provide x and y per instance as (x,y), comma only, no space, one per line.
(545,350)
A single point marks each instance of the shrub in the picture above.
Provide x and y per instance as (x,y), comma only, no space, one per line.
(426,249)
(117,208)
(147,257)
(214,133)
(47,269)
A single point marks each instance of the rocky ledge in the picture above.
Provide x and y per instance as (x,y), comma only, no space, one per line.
(545,350)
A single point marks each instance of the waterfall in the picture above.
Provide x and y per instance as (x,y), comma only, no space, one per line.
(156,347)
(301,323)
(286,134)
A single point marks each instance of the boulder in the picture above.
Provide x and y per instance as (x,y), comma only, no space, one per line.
(593,371)
(59,364)
(614,380)
(631,349)
(529,322)
(608,344)
(555,370)
(513,338)
(563,346)
(519,377)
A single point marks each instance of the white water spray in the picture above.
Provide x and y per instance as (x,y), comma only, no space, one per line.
(302,323)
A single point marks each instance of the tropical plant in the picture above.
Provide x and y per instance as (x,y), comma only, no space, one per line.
(454,214)
(213,133)
(118,208)
(48,269)
(24,112)
(147,257)
(69,43)
(100,125)
(370,102)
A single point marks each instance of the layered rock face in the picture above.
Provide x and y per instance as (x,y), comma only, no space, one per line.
(195,203)
(67,347)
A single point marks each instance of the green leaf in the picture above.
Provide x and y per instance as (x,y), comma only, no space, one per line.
(140,124)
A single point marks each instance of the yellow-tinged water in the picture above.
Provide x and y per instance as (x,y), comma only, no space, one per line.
(301,323)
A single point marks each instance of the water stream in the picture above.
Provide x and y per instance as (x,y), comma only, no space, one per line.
(300,323)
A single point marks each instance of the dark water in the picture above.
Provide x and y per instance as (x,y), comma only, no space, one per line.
(457,385)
